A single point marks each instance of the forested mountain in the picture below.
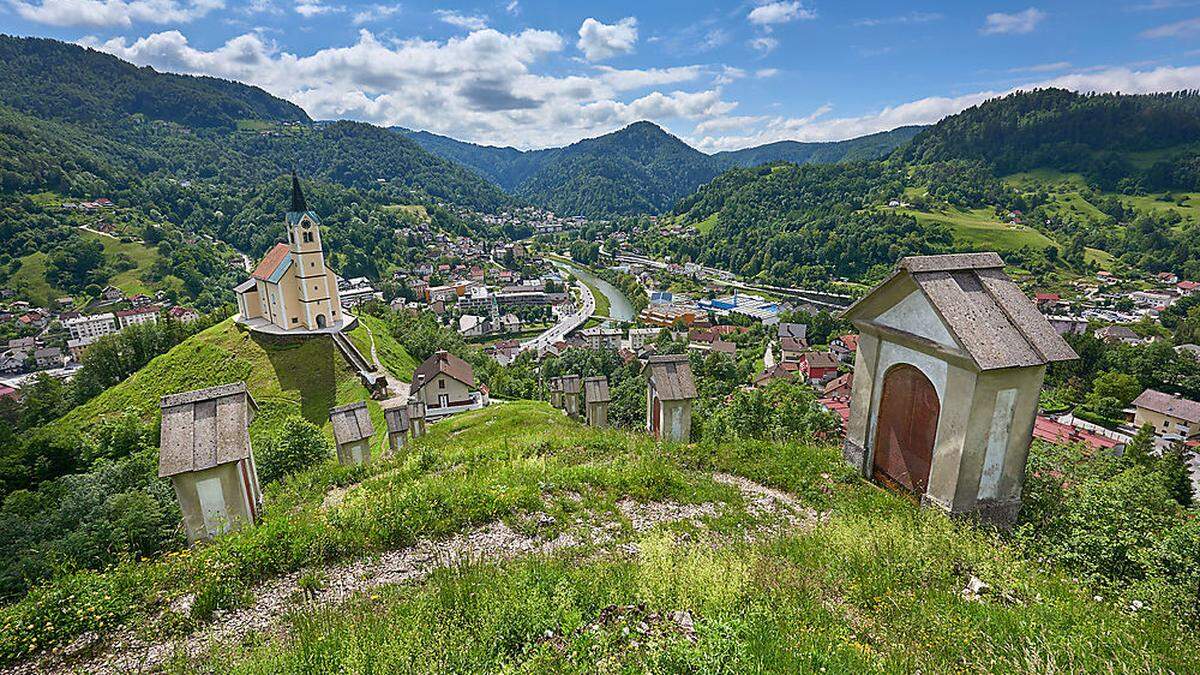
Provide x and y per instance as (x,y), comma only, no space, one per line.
(873,146)
(52,79)
(193,155)
(1050,178)
(505,166)
(1108,137)
(638,169)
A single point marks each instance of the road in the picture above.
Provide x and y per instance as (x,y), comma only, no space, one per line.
(565,324)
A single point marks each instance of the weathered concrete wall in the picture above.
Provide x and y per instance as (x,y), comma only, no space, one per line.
(571,404)
(597,414)
(226,496)
(677,421)
(396,440)
(358,452)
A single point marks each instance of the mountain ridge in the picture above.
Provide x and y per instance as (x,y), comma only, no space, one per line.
(588,177)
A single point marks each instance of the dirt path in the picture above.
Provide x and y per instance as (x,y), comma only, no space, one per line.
(397,388)
(494,542)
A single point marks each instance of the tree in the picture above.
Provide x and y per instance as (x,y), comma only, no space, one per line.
(1175,467)
(299,444)
(1139,451)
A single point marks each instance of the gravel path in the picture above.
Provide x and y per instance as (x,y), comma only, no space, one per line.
(128,652)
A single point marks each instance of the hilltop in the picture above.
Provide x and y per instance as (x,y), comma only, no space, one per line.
(286,377)
(589,549)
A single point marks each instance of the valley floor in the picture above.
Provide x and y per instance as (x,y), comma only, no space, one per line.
(512,538)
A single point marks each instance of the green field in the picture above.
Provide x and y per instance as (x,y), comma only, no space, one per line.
(413,212)
(981,229)
(705,226)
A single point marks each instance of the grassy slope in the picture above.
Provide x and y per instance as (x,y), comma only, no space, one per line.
(305,377)
(391,354)
(874,587)
(32,275)
(980,228)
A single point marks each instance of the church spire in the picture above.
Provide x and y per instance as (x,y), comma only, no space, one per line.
(298,205)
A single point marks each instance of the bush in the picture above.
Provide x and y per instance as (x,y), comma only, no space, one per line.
(298,445)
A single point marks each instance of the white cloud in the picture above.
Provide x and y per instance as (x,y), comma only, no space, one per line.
(763,73)
(464,21)
(599,41)
(910,18)
(1042,67)
(513,7)
(779,12)
(764,45)
(375,13)
(311,8)
(1185,28)
(1017,23)
(627,79)
(114,12)
(482,87)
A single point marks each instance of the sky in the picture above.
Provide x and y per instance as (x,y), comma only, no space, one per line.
(720,75)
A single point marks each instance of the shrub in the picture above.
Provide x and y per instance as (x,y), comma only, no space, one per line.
(298,445)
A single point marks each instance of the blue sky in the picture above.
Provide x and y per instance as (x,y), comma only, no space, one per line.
(721,75)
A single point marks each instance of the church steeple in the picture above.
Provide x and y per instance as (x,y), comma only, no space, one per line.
(298,205)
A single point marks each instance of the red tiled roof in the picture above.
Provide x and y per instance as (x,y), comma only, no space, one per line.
(270,261)
(839,406)
(1058,433)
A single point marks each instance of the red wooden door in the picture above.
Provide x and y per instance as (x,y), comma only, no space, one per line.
(656,417)
(905,429)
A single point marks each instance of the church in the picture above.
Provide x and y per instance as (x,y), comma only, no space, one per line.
(292,290)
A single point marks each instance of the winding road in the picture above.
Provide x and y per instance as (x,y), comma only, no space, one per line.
(565,324)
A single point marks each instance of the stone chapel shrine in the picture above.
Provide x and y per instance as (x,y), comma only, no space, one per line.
(291,290)
(950,362)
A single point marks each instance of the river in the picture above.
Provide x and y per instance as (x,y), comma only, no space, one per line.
(618,305)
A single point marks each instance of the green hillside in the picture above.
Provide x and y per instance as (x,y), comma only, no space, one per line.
(513,539)
(638,169)
(30,278)
(286,377)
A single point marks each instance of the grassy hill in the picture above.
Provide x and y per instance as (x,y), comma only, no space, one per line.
(286,377)
(514,539)
(30,278)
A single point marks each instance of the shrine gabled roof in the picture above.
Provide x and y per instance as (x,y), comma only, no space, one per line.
(996,324)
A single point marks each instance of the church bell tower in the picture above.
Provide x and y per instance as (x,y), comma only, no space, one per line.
(308,256)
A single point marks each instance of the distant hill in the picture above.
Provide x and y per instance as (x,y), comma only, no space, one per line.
(52,79)
(1107,137)
(873,146)
(638,169)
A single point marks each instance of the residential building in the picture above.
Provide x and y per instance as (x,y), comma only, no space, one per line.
(599,337)
(91,327)
(143,314)
(1172,417)
(446,385)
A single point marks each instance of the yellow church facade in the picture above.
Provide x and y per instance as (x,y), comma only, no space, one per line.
(291,289)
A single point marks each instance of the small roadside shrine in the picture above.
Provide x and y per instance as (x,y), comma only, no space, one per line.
(596,398)
(670,389)
(950,362)
(570,395)
(416,418)
(352,431)
(395,413)
(556,392)
(205,451)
